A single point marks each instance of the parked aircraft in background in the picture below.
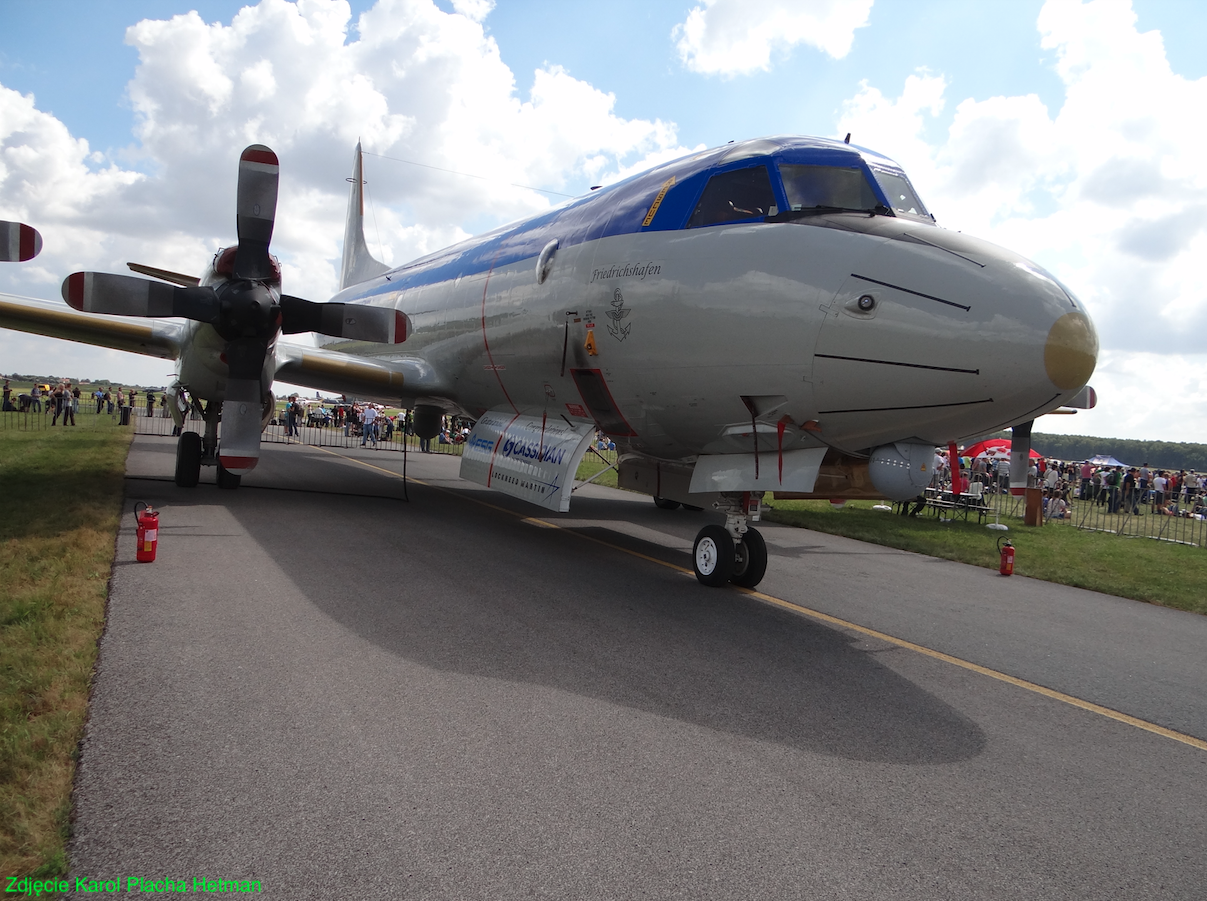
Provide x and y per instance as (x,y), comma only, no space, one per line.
(780,314)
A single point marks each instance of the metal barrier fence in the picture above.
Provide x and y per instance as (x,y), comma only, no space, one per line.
(36,421)
(388,437)
(1110,510)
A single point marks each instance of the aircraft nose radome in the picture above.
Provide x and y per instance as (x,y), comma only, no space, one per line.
(1071,351)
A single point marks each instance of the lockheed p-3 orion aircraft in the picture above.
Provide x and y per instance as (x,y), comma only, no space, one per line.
(780,314)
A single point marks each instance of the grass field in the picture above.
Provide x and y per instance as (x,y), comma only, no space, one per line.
(62,491)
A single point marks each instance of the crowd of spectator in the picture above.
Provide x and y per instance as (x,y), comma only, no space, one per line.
(1111,488)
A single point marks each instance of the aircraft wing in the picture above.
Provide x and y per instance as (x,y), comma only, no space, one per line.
(373,378)
(154,337)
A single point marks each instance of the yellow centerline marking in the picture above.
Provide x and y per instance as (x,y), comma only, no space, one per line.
(1088,706)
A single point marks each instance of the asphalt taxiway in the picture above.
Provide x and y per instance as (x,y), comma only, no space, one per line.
(341,693)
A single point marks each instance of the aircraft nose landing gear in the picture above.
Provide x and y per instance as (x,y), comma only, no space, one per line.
(733,552)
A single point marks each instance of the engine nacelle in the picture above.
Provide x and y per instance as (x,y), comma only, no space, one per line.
(902,471)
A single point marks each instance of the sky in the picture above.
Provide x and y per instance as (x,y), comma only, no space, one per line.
(1064,130)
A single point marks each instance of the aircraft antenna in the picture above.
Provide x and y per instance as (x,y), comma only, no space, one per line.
(847,139)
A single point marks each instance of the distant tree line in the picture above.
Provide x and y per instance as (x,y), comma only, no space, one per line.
(1158,454)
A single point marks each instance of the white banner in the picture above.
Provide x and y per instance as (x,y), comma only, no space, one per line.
(531,456)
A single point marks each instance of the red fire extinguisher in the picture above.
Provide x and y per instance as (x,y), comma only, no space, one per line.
(1007,552)
(147,537)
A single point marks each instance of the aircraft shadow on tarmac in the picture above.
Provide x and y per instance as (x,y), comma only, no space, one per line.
(543,607)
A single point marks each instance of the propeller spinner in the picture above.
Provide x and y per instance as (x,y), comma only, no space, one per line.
(246,309)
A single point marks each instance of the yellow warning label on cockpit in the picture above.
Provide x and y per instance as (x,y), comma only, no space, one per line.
(649,217)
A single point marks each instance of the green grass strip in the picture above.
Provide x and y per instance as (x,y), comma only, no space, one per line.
(1159,572)
(62,495)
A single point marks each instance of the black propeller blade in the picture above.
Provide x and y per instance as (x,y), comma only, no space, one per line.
(355,322)
(125,295)
(256,210)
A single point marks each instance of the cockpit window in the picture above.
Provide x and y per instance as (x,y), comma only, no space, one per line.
(734,196)
(812,187)
(901,196)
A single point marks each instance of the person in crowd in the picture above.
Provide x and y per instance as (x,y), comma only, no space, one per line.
(1052,476)
(108,401)
(291,416)
(56,404)
(368,417)
(1058,507)
(35,398)
(8,397)
(1146,477)
(150,403)
(1160,483)
(1130,496)
(1111,481)
(71,399)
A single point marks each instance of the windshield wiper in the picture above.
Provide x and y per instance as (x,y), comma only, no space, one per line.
(789,215)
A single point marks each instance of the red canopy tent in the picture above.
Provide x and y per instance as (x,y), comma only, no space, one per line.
(993,447)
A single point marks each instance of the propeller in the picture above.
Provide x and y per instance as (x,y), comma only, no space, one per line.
(245,307)
(18,242)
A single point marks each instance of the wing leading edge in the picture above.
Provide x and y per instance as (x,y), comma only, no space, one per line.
(152,337)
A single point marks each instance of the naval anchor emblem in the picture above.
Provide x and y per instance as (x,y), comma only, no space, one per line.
(618,314)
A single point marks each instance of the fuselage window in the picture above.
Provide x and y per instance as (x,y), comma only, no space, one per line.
(733,196)
(901,196)
(844,188)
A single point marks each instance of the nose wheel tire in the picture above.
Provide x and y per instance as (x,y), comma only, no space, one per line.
(750,560)
(713,556)
(228,479)
(188,460)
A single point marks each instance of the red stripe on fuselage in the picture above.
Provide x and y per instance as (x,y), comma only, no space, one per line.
(486,344)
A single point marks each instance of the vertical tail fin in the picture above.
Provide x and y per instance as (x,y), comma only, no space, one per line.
(359,264)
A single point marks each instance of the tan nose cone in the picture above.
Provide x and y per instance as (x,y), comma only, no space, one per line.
(1071,351)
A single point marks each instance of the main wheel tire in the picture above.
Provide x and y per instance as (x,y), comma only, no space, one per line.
(750,560)
(228,479)
(188,460)
(712,556)
(663,503)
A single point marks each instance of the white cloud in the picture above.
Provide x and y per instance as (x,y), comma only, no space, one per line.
(1107,191)
(474,9)
(410,81)
(737,37)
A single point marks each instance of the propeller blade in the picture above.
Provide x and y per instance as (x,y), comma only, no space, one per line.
(242,422)
(256,210)
(176,278)
(125,295)
(355,322)
(18,242)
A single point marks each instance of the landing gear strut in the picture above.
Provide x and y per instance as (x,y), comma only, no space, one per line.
(733,552)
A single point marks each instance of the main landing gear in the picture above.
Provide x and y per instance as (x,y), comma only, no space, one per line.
(194,450)
(733,552)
